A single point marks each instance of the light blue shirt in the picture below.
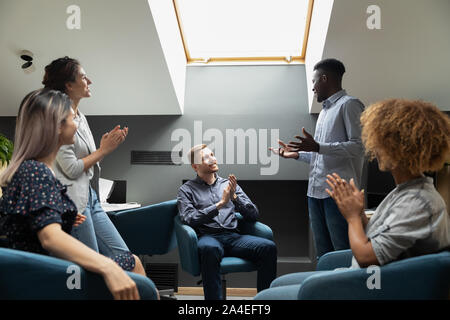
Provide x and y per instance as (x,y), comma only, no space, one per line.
(338,133)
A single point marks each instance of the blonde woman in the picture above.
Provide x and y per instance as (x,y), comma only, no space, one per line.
(39,213)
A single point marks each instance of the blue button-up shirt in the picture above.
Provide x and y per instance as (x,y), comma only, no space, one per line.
(338,133)
(197,200)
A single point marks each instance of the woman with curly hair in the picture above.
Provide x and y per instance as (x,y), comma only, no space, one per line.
(408,138)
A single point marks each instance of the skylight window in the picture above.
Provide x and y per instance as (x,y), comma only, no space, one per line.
(244,30)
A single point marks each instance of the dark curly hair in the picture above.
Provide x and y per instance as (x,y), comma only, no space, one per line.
(59,72)
(414,135)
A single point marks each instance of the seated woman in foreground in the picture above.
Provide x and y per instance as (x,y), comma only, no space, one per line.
(39,214)
(408,138)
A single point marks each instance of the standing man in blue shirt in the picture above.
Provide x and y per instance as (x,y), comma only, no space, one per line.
(207,204)
(335,147)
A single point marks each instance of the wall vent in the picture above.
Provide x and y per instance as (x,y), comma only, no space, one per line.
(156,157)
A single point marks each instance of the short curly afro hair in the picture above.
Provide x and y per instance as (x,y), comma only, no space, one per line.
(413,134)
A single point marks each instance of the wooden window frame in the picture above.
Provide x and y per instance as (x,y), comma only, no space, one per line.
(280,59)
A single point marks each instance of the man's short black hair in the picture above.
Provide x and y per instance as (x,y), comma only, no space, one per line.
(332,66)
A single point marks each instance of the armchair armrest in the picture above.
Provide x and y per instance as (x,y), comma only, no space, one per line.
(187,247)
(335,259)
(26,276)
(254,228)
(340,284)
(423,277)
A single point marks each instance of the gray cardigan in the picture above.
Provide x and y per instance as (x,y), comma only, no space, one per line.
(69,166)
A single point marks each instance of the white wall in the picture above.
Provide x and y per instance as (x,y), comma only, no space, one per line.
(407,58)
(118,46)
(318,31)
(166,24)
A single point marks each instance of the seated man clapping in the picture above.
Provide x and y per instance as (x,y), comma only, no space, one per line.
(208,204)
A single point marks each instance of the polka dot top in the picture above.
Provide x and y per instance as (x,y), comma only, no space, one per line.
(32,200)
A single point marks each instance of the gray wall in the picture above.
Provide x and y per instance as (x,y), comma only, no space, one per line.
(261,97)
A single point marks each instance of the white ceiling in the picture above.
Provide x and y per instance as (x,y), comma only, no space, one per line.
(117,45)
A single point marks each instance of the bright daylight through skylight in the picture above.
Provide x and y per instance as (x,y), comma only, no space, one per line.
(243,28)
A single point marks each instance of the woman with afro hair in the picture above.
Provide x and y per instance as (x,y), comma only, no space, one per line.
(407,138)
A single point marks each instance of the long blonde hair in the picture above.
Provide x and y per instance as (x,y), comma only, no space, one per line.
(41,114)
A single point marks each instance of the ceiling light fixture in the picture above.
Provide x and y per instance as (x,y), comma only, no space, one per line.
(27,56)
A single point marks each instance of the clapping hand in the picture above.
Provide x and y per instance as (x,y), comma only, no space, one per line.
(118,134)
(349,199)
(232,184)
(112,139)
(228,192)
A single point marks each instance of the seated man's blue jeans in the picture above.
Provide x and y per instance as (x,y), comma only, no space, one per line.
(330,229)
(213,247)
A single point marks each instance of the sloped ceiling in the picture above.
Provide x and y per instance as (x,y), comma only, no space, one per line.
(117,45)
(406,58)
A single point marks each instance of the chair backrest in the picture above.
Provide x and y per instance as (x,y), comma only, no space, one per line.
(426,277)
(148,230)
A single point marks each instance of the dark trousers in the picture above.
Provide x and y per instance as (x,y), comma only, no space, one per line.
(330,229)
(212,248)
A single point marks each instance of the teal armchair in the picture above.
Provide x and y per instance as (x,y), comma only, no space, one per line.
(422,277)
(147,230)
(188,249)
(30,276)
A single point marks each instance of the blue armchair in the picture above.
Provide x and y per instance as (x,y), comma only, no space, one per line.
(423,277)
(30,276)
(146,230)
(149,230)
(188,249)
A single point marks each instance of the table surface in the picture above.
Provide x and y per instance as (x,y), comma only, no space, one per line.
(111,207)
